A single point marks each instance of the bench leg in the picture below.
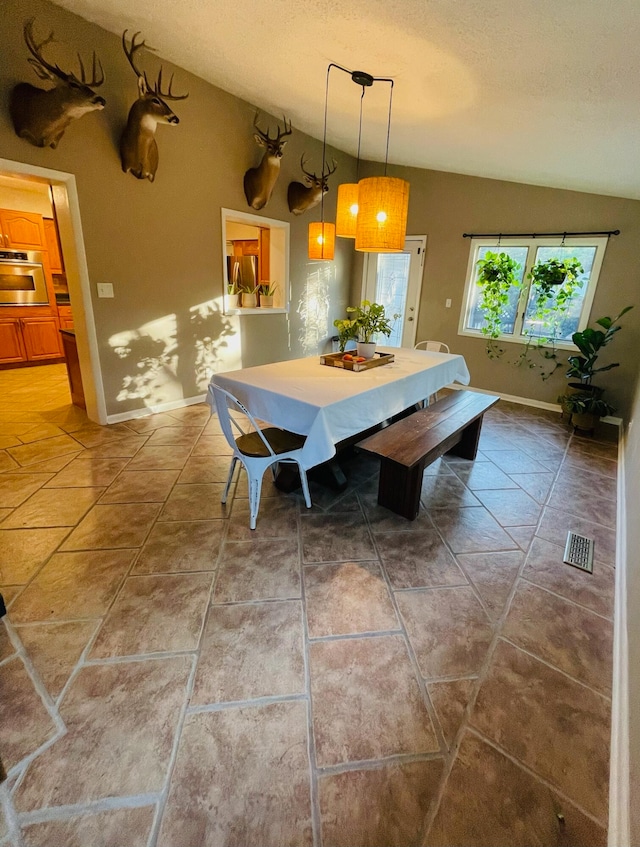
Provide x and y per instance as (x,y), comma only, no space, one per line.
(399,488)
(467,447)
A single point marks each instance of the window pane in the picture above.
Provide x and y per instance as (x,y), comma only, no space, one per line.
(560,323)
(391,291)
(475,317)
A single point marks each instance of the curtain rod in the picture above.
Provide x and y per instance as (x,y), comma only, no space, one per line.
(607,232)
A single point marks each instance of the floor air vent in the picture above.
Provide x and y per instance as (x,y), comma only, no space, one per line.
(579,552)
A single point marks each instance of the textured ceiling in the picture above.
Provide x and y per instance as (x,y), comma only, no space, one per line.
(532,91)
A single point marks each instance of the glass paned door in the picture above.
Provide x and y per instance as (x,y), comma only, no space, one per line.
(394,280)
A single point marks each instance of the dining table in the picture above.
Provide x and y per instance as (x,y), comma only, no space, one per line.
(331,405)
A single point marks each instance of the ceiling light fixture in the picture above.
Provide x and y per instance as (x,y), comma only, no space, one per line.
(322,236)
(347,207)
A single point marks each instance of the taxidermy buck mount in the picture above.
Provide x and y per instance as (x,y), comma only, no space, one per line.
(138,148)
(301,197)
(259,182)
(39,115)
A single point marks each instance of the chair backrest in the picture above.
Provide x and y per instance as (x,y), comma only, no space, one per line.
(224,403)
(432,346)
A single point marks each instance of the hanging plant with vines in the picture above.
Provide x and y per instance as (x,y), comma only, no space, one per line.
(553,286)
(496,278)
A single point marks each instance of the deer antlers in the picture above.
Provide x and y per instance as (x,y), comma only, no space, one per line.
(45,70)
(266,137)
(324,175)
(142,75)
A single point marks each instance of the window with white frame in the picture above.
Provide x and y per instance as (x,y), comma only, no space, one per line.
(522,318)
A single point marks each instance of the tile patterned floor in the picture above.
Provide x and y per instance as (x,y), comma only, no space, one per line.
(340,676)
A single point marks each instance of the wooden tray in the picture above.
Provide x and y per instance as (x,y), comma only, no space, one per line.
(335,360)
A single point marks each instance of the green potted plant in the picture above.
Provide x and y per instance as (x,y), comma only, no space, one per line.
(545,276)
(233,295)
(496,277)
(347,331)
(267,293)
(250,296)
(584,398)
(370,320)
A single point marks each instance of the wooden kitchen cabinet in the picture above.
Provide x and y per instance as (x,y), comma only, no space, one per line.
(11,344)
(65,317)
(41,338)
(22,230)
(53,246)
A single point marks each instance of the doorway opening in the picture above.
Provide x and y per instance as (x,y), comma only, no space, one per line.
(39,210)
(395,281)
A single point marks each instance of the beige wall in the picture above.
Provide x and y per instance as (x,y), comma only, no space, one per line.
(160,244)
(443,206)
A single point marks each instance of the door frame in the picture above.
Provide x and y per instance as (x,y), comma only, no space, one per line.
(373,257)
(63,186)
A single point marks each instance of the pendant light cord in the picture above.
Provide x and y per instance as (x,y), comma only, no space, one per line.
(386,155)
(359,135)
(324,148)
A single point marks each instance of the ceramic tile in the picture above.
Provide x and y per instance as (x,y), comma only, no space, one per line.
(47,508)
(41,451)
(93,435)
(266,569)
(251,651)
(360,683)
(555,524)
(277,518)
(154,614)
(204,469)
(335,537)
(16,488)
(586,481)
(212,445)
(444,492)
(50,466)
(185,436)
(197,414)
(448,629)
(590,448)
(194,503)
(150,458)
(73,585)
(6,645)
(10,592)
(241,777)
(7,463)
(181,546)
(522,535)
(493,575)
(483,475)
(489,800)
(418,559)
(121,722)
(537,485)
(140,487)
(111,828)
(570,638)
(23,551)
(40,432)
(515,461)
(54,650)
(347,598)
(87,472)
(577,499)
(25,721)
(450,700)
(379,806)
(151,423)
(553,725)
(472,530)
(117,525)
(381,519)
(546,568)
(511,508)
(124,448)
(596,464)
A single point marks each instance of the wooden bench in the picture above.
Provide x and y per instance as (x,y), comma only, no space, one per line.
(452,425)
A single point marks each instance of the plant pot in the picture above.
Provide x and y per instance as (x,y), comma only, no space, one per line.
(366,349)
(266,301)
(232,301)
(249,301)
(586,422)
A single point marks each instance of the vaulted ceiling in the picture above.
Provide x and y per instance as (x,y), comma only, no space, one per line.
(531,91)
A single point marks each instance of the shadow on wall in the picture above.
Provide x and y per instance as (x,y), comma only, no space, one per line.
(313,308)
(173,357)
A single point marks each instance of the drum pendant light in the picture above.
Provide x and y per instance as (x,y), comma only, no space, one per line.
(383,205)
(322,236)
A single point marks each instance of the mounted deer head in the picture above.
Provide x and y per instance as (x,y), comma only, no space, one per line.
(138,148)
(40,116)
(259,182)
(303,197)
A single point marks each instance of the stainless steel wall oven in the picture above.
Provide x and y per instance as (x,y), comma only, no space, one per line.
(22,278)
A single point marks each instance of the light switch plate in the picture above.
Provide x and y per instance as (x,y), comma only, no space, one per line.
(105,289)
(447,303)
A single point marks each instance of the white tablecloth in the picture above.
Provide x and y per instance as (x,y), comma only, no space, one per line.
(330,404)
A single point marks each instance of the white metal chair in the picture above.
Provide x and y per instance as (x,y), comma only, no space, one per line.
(256,449)
(432,346)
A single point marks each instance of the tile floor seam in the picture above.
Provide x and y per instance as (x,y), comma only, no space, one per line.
(351,636)
(179,727)
(7,809)
(570,600)
(378,764)
(538,777)
(59,813)
(227,705)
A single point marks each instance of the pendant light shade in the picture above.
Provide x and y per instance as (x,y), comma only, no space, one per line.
(347,210)
(322,240)
(383,204)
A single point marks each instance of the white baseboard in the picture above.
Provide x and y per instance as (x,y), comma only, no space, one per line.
(619,809)
(152,410)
